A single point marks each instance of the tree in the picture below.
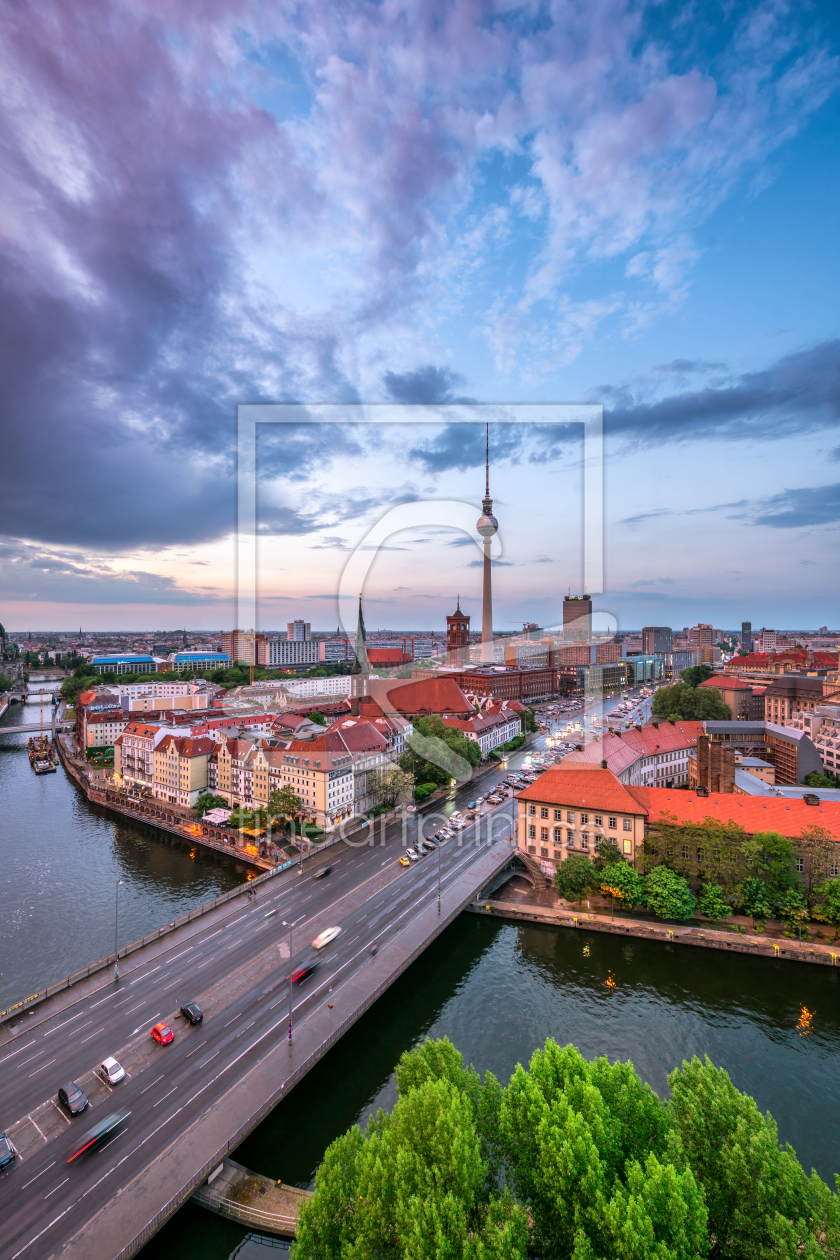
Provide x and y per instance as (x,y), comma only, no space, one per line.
(574,875)
(696,674)
(668,894)
(607,855)
(6,683)
(771,857)
(818,848)
(318,718)
(712,904)
(827,909)
(285,803)
(529,719)
(622,884)
(792,908)
(758,1197)
(821,779)
(391,786)
(690,704)
(437,752)
(755,900)
(207,801)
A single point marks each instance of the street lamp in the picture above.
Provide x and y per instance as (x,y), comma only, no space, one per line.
(117,932)
(290,926)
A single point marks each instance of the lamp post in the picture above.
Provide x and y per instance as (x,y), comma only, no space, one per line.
(117,932)
(290,926)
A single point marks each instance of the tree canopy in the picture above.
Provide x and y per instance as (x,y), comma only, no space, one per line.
(573,1160)
(690,704)
(696,674)
(437,753)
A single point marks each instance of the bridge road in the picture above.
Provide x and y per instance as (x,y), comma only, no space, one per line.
(238,981)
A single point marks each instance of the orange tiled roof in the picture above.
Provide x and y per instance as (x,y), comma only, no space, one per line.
(597,789)
(753,813)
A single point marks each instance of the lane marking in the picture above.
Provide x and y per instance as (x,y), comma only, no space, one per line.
(146,974)
(19,1050)
(58,1187)
(160,1100)
(65,1023)
(54,1221)
(92,1035)
(197,1048)
(41,1068)
(154,1082)
(212,1056)
(32,1180)
(151,1019)
(105,999)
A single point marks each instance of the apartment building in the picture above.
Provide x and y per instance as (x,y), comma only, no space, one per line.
(573,811)
(644,756)
(280,652)
(181,769)
(822,726)
(102,730)
(493,727)
(134,753)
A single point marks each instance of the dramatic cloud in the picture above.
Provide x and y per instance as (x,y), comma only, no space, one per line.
(425,385)
(795,508)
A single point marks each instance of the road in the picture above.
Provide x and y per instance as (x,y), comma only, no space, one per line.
(236,969)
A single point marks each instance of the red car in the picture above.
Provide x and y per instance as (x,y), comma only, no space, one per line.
(163,1034)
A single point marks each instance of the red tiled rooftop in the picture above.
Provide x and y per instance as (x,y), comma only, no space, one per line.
(595,788)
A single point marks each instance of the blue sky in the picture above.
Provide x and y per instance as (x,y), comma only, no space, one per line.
(629,203)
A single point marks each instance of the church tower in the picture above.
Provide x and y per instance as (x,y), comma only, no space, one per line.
(360,669)
(458,637)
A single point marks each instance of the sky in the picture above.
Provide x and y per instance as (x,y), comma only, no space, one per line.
(220,202)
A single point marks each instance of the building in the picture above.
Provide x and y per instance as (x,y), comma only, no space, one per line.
(788,697)
(332,650)
(134,753)
(360,669)
(495,726)
(745,700)
(642,667)
(244,645)
(388,657)
(591,680)
(701,636)
(458,636)
(746,635)
(527,685)
(180,768)
(577,619)
(126,664)
(290,651)
(790,661)
(487,527)
(181,661)
(755,766)
(822,726)
(298,631)
(768,640)
(525,655)
(656,639)
(680,659)
(339,685)
(658,755)
(788,750)
(103,729)
(573,810)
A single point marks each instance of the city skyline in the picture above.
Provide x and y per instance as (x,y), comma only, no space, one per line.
(613,205)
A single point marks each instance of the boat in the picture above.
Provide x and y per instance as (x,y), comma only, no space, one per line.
(42,755)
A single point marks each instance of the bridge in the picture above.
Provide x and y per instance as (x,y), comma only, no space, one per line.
(193,1101)
(31,727)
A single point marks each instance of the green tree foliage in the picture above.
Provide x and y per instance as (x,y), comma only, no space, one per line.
(285,803)
(760,1201)
(668,895)
(206,801)
(696,674)
(755,900)
(529,720)
(318,718)
(827,908)
(391,786)
(437,753)
(6,683)
(821,779)
(792,908)
(585,1146)
(574,876)
(818,849)
(606,855)
(712,904)
(622,884)
(771,857)
(690,704)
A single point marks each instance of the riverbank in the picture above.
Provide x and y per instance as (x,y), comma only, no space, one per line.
(706,937)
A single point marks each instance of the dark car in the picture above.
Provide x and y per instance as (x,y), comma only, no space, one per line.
(8,1154)
(303,970)
(71,1097)
(323,873)
(99,1134)
(192,1012)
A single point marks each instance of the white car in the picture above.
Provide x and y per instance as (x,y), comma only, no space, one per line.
(324,939)
(411,855)
(111,1071)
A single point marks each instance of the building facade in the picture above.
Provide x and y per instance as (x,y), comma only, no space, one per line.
(577,619)
(280,652)
(656,639)
(126,664)
(575,810)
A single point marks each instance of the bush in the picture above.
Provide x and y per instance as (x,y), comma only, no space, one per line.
(574,875)
(668,895)
(423,791)
(712,904)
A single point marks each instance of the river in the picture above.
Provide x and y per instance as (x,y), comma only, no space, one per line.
(497,990)
(60,859)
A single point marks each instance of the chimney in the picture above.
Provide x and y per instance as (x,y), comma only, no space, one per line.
(655,725)
(603,765)
(638,728)
(811,798)
(701,791)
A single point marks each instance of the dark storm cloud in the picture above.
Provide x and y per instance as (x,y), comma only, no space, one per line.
(462,446)
(427,384)
(34,573)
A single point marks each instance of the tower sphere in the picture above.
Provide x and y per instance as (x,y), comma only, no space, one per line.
(487,525)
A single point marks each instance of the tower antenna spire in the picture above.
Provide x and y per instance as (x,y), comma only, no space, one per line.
(487,463)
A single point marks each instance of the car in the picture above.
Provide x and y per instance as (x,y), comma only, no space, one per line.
(323,873)
(163,1034)
(404,861)
(412,856)
(111,1072)
(324,938)
(431,842)
(473,804)
(99,1134)
(73,1098)
(8,1151)
(303,970)
(192,1012)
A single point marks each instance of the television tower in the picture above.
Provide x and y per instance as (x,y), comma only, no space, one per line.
(487,525)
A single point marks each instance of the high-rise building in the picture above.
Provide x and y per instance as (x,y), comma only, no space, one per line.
(292,652)
(245,645)
(768,640)
(746,635)
(577,619)
(656,639)
(487,526)
(458,637)
(298,631)
(701,635)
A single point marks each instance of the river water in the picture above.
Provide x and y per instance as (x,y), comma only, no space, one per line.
(60,858)
(497,990)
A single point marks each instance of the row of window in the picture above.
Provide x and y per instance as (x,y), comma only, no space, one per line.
(557,838)
(597,819)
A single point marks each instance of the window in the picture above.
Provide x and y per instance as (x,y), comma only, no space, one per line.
(799,865)
(584,818)
(599,822)
(558,815)
(584,841)
(627,824)
(543,852)
(532,848)
(558,835)
(701,853)
(532,809)
(570,817)
(532,833)
(557,855)
(544,834)
(543,812)
(570,839)
(613,822)
(628,846)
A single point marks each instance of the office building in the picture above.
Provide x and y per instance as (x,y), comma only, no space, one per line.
(577,619)
(656,639)
(296,631)
(290,651)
